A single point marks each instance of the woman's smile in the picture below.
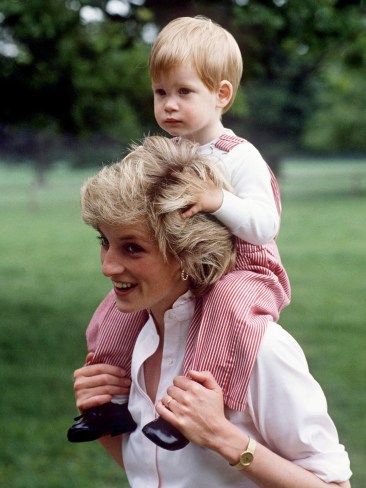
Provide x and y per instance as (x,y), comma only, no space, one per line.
(122,286)
(142,278)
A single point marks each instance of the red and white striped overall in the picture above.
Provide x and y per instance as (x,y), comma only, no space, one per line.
(228,323)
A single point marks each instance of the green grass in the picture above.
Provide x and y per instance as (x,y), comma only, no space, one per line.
(51,282)
(322,243)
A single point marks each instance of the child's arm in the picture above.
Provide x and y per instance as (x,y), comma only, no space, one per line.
(250,210)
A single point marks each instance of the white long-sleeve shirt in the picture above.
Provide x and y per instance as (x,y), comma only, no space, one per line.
(250,211)
(287,412)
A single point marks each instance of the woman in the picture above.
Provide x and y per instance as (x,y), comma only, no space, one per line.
(284,438)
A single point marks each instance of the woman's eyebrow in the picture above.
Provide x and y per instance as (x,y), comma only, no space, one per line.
(133,237)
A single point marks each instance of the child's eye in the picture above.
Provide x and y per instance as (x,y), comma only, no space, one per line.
(103,241)
(160,92)
(184,91)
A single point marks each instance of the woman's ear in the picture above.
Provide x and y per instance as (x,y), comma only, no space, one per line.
(224,93)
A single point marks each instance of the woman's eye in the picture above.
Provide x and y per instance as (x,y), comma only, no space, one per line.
(102,241)
(133,248)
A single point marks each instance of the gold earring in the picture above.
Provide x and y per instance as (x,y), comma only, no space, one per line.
(184,275)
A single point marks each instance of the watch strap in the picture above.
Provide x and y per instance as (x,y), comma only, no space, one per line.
(246,457)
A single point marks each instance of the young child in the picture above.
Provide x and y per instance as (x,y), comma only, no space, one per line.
(195,67)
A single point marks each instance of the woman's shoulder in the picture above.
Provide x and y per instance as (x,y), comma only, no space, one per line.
(281,378)
(280,356)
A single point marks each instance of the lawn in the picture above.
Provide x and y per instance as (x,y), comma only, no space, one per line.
(51,282)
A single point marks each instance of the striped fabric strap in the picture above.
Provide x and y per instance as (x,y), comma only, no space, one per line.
(276,191)
(227,142)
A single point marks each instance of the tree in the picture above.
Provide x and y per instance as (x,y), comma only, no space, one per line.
(285,45)
(66,72)
(70,76)
(339,121)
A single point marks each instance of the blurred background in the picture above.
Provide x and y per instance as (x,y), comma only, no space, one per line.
(75,93)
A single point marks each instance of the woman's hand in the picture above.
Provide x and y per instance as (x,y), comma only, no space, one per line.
(95,384)
(195,406)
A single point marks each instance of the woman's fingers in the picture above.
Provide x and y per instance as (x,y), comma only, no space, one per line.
(195,406)
(205,378)
(94,401)
(97,369)
(83,390)
(89,357)
(82,381)
(96,384)
(194,384)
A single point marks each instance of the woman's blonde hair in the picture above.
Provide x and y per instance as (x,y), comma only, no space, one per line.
(211,49)
(151,186)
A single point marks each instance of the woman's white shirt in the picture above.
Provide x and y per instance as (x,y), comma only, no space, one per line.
(286,411)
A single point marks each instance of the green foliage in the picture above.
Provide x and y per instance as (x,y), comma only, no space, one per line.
(340,126)
(49,266)
(286,45)
(339,122)
(71,76)
(64,74)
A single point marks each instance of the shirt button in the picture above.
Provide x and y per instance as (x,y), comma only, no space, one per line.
(169,361)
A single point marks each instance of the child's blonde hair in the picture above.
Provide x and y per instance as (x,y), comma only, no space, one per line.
(211,49)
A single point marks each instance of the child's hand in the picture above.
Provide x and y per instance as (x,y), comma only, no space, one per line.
(209,200)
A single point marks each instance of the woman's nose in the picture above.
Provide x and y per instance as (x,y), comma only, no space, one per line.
(111,264)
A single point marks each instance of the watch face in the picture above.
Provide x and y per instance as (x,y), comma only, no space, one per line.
(246,458)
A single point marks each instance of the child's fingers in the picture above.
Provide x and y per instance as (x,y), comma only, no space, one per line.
(191,211)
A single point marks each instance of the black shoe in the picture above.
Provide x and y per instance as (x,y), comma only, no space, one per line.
(108,419)
(164,435)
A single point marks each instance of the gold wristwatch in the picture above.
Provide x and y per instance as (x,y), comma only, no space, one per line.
(246,457)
